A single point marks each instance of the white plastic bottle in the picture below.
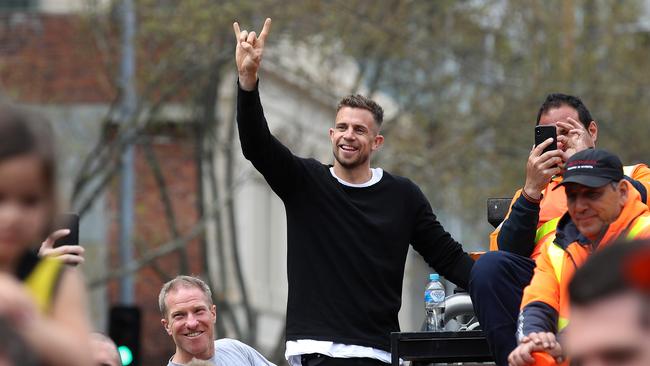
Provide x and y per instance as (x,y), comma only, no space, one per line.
(434,304)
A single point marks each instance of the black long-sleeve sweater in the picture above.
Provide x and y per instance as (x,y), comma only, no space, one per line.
(347,246)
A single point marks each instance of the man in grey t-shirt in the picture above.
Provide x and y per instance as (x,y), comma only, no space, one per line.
(189,316)
(230,352)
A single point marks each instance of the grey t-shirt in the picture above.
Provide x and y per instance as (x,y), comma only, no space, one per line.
(228,352)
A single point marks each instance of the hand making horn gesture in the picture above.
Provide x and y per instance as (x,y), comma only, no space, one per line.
(248,54)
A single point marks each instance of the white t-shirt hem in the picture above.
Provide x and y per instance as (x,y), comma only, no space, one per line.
(300,347)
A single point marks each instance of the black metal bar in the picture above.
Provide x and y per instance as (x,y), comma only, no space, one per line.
(465,346)
(394,348)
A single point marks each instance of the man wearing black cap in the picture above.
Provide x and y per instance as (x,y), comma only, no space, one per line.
(602,206)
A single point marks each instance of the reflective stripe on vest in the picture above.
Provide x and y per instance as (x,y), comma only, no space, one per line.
(629,169)
(41,282)
(556,256)
(548,227)
(640,224)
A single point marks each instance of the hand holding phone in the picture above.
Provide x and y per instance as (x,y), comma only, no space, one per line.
(63,242)
(543,133)
(68,221)
(542,165)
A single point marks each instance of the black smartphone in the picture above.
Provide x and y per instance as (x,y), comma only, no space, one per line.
(68,221)
(543,133)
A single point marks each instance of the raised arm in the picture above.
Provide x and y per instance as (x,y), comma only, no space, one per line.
(248,54)
(275,161)
(517,232)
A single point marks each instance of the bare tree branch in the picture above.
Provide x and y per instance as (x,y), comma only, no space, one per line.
(106,156)
(162,275)
(232,219)
(166,201)
(163,249)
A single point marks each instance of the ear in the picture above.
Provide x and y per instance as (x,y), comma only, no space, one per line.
(593,130)
(213,312)
(623,191)
(166,325)
(378,141)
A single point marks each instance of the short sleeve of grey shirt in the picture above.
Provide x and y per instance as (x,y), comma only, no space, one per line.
(228,352)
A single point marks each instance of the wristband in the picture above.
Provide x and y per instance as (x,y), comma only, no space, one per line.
(529,198)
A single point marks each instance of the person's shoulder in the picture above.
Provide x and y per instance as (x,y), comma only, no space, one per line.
(404,184)
(638,169)
(313,163)
(232,345)
(228,342)
(234,349)
(398,180)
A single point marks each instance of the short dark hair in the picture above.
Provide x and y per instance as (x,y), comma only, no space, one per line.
(359,101)
(603,276)
(557,100)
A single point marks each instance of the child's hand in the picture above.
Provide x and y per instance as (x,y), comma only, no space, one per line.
(69,254)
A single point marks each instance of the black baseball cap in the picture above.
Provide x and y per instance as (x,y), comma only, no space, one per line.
(592,168)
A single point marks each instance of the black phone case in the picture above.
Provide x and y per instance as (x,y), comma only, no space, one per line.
(71,222)
(542,133)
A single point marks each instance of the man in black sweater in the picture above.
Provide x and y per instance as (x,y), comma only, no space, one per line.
(349,228)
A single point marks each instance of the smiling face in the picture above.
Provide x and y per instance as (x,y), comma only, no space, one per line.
(593,209)
(25,205)
(190,322)
(354,137)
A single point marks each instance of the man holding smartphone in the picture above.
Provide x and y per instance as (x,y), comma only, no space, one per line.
(499,277)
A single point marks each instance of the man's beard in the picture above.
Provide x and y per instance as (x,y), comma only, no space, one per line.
(350,164)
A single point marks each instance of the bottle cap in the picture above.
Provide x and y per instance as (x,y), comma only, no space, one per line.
(434,277)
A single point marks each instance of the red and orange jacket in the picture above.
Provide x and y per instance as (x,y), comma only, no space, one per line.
(528,224)
(545,304)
